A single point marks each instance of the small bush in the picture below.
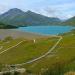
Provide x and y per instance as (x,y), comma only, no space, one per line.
(9,38)
(16,73)
(8,73)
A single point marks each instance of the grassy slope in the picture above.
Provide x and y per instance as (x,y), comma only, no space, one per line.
(8,44)
(60,61)
(6,26)
(27,50)
(70,21)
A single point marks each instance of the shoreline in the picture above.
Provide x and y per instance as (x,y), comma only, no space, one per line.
(19,34)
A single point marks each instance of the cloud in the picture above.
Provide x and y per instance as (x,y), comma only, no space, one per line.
(63,11)
(3,8)
(58,8)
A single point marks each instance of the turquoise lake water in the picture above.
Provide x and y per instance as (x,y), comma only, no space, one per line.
(47,30)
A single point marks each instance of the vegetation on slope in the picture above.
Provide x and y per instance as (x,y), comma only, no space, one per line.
(61,60)
(25,51)
(70,21)
(20,18)
(6,26)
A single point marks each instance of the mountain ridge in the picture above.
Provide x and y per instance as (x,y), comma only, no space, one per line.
(70,21)
(18,17)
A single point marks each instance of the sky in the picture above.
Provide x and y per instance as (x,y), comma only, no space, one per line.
(62,9)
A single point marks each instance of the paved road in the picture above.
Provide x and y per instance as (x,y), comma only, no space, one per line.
(55,45)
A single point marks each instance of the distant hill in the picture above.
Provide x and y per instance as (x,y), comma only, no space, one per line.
(20,18)
(70,21)
(5,26)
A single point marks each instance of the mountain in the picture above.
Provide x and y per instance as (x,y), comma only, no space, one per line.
(11,16)
(20,18)
(70,21)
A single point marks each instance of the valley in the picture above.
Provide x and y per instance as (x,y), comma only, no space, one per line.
(32,43)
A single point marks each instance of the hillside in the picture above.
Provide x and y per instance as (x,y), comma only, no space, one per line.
(59,62)
(70,21)
(6,26)
(20,18)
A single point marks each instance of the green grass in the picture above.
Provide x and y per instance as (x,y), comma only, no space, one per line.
(26,51)
(61,60)
(8,44)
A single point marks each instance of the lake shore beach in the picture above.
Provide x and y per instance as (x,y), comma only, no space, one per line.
(18,34)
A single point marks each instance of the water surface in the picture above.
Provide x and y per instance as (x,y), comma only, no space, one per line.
(46,30)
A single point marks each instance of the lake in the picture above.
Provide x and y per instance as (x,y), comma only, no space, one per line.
(46,30)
